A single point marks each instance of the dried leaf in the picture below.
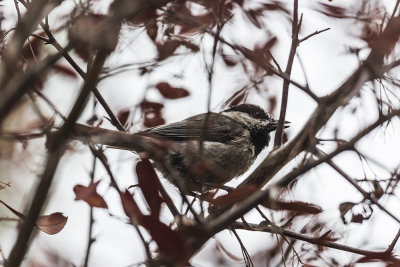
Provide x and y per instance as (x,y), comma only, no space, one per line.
(149,184)
(52,224)
(90,195)
(333,11)
(229,60)
(66,71)
(33,48)
(123,115)
(294,206)
(169,241)
(153,119)
(151,106)
(378,190)
(171,92)
(233,196)
(344,208)
(131,208)
(167,49)
(152,30)
(272,101)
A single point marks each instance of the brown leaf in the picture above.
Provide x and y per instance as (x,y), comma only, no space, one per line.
(131,208)
(272,101)
(166,49)
(153,119)
(169,241)
(229,60)
(33,48)
(151,106)
(146,16)
(149,184)
(152,30)
(294,206)
(233,196)
(52,224)
(378,190)
(344,208)
(123,115)
(333,11)
(89,195)
(171,92)
(327,236)
(87,33)
(67,71)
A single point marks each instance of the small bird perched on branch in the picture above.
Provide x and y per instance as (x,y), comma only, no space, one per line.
(203,151)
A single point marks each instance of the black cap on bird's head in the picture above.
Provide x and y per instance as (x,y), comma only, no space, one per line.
(253,111)
(258,122)
(256,112)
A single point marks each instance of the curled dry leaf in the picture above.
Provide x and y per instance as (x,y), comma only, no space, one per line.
(90,195)
(171,92)
(52,224)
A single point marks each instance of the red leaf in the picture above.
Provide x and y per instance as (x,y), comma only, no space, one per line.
(295,206)
(123,116)
(171,92)
(167,49)
(131,208)
(151,106)
(149,184)
(89,195)
(152,113)
(152,30)
(333,11)
(65,70)
(52,224)
(229,60)
(234,196)
(33,48)
(169,241)
(153,119)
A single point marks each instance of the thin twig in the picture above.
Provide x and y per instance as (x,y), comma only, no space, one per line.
(313,34)
(90,239)
(285,90)
(308,239)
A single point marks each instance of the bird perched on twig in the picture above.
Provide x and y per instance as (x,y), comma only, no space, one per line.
(201,152)
(210,149)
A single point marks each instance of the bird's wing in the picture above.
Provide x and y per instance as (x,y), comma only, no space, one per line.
(207,127)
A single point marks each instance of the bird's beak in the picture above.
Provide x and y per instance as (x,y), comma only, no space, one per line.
(274,124)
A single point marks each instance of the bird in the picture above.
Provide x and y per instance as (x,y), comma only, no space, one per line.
(210,149)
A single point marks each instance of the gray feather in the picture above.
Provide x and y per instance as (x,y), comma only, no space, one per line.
(212,127)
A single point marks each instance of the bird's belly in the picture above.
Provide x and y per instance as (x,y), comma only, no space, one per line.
(212,165)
